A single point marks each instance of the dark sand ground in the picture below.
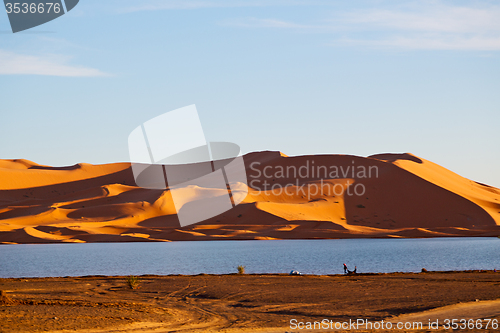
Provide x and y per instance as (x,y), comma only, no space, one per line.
(241,303)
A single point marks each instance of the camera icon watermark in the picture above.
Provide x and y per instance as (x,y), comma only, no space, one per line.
(26,14)
(170,152)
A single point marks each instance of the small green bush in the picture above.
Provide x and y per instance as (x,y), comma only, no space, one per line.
(133,281)
(241,269)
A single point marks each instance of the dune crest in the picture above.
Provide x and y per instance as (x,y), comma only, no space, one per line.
(318,196)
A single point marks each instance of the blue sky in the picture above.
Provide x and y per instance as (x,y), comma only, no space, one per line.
(302,77)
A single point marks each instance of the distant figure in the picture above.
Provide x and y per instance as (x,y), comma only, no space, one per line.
(294,273)
(352,272)
(345,269)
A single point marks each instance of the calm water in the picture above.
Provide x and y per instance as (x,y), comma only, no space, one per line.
(279,256)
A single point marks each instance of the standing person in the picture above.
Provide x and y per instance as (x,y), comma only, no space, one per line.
(345,269)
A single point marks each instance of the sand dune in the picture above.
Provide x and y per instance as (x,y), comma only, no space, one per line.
(321,196)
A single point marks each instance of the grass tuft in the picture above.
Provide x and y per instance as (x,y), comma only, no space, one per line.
(241,269)
(133,281)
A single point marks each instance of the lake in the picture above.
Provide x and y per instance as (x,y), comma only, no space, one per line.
(259,256)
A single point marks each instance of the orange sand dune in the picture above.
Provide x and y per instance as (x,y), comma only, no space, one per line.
(321,196)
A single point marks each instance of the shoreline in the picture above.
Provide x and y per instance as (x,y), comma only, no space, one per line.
(145,240)
(237,302)
(492,271)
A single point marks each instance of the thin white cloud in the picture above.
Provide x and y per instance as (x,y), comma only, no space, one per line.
(253,22)
(429,43)
(51,65)
(440,18)
(435,27)
(423,26)
(155,5)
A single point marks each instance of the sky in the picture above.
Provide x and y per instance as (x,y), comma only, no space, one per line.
(301,77)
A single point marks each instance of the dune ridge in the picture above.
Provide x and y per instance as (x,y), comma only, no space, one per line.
(308,197)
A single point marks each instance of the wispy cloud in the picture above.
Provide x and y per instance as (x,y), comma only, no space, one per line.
(437,27)
(253,22)
(436,18)
(423,26)
(155,5)
(475,43)
(52,65)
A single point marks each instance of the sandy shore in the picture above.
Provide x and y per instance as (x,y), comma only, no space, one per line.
(243,303)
